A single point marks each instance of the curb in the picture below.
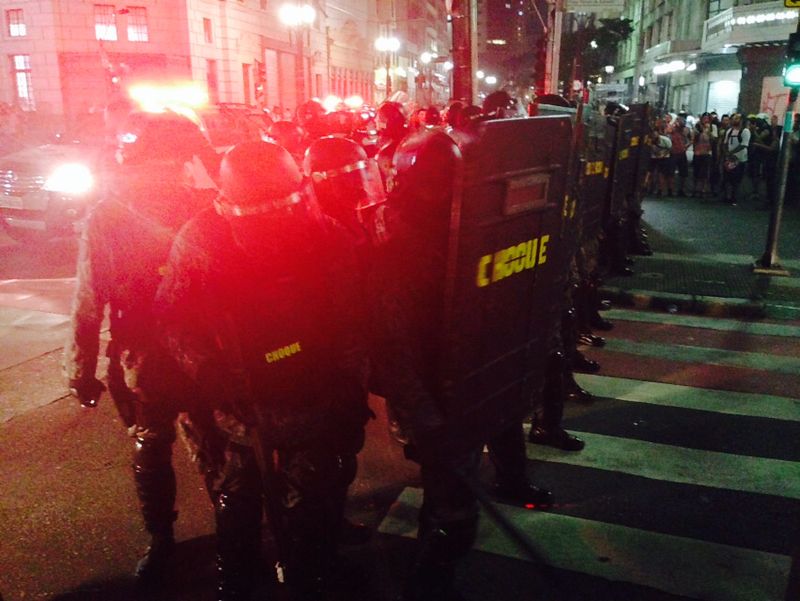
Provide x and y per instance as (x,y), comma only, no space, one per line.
(713,306)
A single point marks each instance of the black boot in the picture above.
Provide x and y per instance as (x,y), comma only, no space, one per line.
(153,564)
(580,363)
(433,575)
(238,545)
(556,437)
(155,487)
(573,391)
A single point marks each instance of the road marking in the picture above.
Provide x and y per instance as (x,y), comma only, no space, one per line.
(670,463)
(710,356)
(689,397)
(731,259)
(677,565)
(708,323)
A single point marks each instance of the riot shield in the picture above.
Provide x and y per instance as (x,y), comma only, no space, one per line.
(628,141)
(593,174)
(506,272)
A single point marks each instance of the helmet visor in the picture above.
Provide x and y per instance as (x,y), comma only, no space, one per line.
(369,178)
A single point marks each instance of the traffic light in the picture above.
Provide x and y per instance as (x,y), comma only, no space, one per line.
(791,69)
(540,65)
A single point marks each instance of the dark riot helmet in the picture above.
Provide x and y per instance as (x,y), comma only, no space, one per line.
(500,105)
(341,123)
(161,138)
(308,111)
(287,134)
(265,199)
(258,178)
(346,182)
(391,120)
(427,167)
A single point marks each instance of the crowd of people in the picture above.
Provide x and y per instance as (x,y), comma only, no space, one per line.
(257,297)
(724,152)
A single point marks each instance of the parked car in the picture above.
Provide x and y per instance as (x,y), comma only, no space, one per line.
(46,189)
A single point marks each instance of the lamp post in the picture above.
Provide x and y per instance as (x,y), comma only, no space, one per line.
(298,17)
(387,45)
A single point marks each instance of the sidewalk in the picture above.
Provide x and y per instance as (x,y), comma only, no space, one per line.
(703,253)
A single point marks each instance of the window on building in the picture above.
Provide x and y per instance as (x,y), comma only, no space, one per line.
(208,33)
(246,83)
(21,74)
(717,6)
(212,81)
(16,23)
(137,24)
(105,22)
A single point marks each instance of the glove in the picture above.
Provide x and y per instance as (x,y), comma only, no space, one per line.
(87,391)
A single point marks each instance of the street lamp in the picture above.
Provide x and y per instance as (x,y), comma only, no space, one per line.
(387,45)
(298,17)
(490,80)
(480,74)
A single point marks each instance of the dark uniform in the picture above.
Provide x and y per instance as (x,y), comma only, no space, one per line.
(123,250)
(408,284)
(260,307)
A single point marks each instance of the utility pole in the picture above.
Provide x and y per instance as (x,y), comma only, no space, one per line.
(463,14)
(555,24)
(769,264)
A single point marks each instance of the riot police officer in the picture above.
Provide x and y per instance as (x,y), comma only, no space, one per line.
(260,307)
(408,308)
(348,187)
(123,248)
(392,128)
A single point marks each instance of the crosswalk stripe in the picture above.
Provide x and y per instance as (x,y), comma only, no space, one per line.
(711,356)
(732,259)
(708,323)
(678,464)
(689,397)
(677,565)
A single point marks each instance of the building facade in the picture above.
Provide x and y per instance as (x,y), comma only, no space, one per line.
(707,55)
(67,57)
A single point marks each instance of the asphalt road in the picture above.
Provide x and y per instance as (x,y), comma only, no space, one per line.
(688,488)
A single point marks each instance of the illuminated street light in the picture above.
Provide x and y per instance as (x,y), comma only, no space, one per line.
(491,80)
(448,65)
(609,69)
(298,17)
(642,81)
(593,44)
(387,44)
(480,74)
(425,58)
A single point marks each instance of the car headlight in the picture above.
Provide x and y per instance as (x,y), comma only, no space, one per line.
(71,178)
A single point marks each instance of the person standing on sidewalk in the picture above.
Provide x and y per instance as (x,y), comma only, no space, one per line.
(123,248)
(734,159)
(701,163)
(681,137)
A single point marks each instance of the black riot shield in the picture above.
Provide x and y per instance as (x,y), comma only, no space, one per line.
(507,270)
(593,174)
(631,129)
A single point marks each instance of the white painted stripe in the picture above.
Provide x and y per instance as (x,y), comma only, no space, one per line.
(730,259)
(677,565)
(711,356)
(689,397)
(708,323)
(678,464)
